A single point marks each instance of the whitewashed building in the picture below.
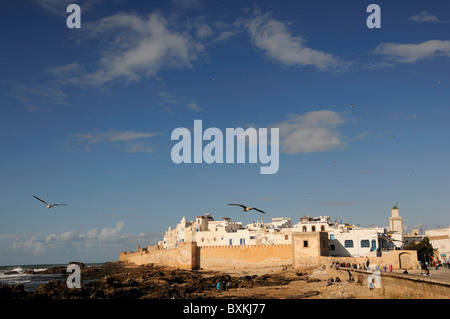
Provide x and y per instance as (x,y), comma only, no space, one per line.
(440,240)
(344,239)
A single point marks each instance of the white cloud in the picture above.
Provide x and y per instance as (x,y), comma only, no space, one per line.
(223,36)
(311,132)
(137,48)
(274,39)
(409,53)
(194,107)
(128,141)
(425,16)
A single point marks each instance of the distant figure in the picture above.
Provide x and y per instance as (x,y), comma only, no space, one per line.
(218,286)
(390,267)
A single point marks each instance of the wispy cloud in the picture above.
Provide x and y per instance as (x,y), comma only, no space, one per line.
(311,132)
(139,48)
(170,102)
(128,141)
(410,53)
(425,16)
(274,39)
(36,97)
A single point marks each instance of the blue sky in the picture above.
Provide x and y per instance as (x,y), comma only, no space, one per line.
(86,117)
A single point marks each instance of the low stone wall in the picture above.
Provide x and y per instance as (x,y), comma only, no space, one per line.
(392,285)
(399,259)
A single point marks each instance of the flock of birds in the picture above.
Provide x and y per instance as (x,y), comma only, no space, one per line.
(244,208)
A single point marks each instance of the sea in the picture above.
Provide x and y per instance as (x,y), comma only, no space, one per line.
(16,274)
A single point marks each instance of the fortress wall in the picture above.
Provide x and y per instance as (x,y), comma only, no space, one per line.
(240,257)
(190,256)
(182,257)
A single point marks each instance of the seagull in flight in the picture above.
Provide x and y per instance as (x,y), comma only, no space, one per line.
(48,206)
(246,208)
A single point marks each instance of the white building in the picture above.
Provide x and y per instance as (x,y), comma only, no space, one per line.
(440,240)
(413,237)
(345,239)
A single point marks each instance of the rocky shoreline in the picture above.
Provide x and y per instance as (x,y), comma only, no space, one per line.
(116,280)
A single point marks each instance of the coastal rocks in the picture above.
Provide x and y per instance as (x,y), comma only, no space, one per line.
(12,292)
(119,281)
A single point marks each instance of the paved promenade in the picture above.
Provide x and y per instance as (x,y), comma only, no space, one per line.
(442,274)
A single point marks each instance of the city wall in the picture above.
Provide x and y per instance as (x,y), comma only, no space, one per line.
(183,257)
(240,257)
(189,256)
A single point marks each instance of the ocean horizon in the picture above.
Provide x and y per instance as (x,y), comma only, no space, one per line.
(17,274)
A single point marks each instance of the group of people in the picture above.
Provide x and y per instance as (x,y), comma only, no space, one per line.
(222,286)
(363,266)
(332,281)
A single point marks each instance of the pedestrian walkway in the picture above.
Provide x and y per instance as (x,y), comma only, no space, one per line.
(442,274)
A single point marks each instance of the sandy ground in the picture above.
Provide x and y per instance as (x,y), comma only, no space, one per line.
(313,285)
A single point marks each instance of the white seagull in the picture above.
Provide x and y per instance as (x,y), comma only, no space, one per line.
(246,208)
(48,206)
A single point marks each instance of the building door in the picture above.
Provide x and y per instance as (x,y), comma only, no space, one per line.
(374,245)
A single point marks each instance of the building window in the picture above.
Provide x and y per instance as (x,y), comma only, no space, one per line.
(332,237)
(332,247)
(313,228)
(304,228)
(365,243)
(242,241)
(286,237)
(348,243)
(305,244)
(231,241)
(322,228)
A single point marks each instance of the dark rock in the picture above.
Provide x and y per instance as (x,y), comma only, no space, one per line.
(16,291)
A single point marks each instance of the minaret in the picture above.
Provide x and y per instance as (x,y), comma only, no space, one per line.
(395,221)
